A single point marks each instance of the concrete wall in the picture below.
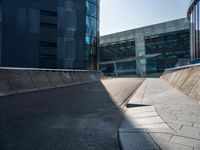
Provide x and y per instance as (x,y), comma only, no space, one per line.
(186,80)
(15,80)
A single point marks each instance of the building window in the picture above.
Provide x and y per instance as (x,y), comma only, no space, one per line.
(48,25)
(46,56)
(48,13)
(48,44)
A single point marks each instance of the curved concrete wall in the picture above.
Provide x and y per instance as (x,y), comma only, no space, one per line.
(20,80)
(186,80)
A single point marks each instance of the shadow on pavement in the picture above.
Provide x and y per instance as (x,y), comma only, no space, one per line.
(135,105)
(82,117)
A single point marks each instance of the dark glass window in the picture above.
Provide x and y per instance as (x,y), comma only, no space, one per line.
(48,44)
(91,9)
(93,1)
(92,33)
(48,61)
(48,25)
(45,56)
(91,26)
(172,50)
(48,13)
(117,51)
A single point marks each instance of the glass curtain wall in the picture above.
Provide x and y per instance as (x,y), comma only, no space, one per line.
(117,51)
(92,34)
(194,17)
(172,49)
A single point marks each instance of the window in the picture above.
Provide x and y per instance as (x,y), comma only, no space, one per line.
(45,56)
(48,13)
(48,44)
(48,25)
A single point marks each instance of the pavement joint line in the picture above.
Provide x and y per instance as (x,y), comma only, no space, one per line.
(165,121)
(154,142)
(171,135)
(181,127)
(193,124)
(183,143)
(131,95)
(178,135)
(144,90)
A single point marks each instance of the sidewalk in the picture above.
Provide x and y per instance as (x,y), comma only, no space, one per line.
(160,117)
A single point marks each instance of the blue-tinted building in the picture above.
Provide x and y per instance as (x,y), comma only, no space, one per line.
(146,50)
(194,17)
(49,33)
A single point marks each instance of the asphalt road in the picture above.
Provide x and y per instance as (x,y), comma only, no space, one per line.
(82,117)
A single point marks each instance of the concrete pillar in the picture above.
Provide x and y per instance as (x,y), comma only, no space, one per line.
(115,69)
(140,51)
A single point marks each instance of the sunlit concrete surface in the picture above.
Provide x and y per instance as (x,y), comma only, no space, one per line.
(168,118)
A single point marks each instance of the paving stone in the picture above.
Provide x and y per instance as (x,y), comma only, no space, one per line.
(191,132)
(141,115)
(149,120)
(141,123)
(176,113)
(165,145)
(196,125)
(175,126)
(141,109)
(161,128)
(185,123)
(162,140)
(168,116)
(137,141)
(189,118)
(186,141)
(160,136)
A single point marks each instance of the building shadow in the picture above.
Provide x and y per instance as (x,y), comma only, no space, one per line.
(81,117)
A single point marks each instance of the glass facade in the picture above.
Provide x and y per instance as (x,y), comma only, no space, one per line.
(172,50)
(118,51)
(194,17)
(92,34)
(59,34)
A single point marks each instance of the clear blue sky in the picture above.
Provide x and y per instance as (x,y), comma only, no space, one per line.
(120,15)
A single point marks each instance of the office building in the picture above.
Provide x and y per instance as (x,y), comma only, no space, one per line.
(146,50)
(49,33)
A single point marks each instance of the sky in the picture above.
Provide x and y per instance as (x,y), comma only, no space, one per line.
(121,15)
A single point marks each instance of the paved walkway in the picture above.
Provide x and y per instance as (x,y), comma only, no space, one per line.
(160,117)
(81,117)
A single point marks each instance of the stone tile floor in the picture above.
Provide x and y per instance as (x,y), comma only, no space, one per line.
(160,117)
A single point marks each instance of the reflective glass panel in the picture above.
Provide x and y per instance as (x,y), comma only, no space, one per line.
(91,9)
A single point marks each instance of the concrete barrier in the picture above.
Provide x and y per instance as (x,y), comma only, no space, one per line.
(186,80)
(182,77)
(190,81)
(4,84)
(66,77)
(40,79)
(20,80)
(54,78)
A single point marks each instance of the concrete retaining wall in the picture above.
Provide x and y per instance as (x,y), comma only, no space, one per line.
(186,80)
(20,80)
